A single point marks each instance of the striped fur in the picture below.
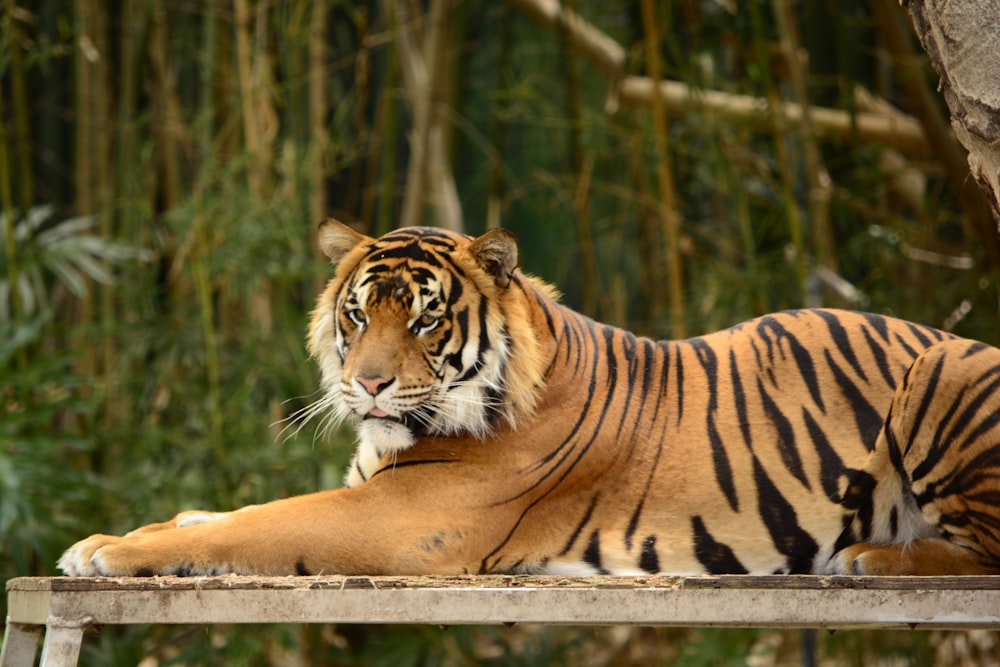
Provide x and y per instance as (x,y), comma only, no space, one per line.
(500,431)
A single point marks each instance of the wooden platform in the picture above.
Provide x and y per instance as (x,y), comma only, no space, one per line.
(64,606)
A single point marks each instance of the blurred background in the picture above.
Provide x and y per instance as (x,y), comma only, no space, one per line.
(673,167)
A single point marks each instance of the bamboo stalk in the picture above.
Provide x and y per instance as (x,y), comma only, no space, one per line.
(104,141)
(248,109)
(783,153)
(581,164)
(22,122)
(386,131)
(201,249)
(362,135)
(669,215)
(741,211)
(651,262)
(85,57)
(817,177)
(7,198)
(416,86)
(422,69)
(898,129)
(606,54)
(498,126)
(436,45)
(169,137)
(319,137)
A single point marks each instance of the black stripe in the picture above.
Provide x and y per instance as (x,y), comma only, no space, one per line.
(763,325)
(720,457)
(906,346)
(975,348)
(461,319)
(974,409)
(399,465)
(633,522)
(878,323)
(456,292)
(798,546)
(413,251)
(739,396)
(432,235)
(423,277)
(919,333)
(831,469)
(629,345)
(543,303)
(649,560)
(846,537)
(786,435)
(881,358)
(842,340)
(803,359)
(579,527)
(592,555)
(715,557)
(930,389)
(680,386)
(858,499)
(651,472)
(869,420)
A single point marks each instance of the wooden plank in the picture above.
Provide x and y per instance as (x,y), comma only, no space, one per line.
(236,582)
(20,645)
(735,601)
(62,646)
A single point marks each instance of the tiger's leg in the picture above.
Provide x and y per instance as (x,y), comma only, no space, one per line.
(389,525)
(935,505)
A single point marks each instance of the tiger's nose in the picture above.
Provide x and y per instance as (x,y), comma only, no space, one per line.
(373,385)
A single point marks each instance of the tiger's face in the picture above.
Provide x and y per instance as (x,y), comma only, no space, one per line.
(411,334)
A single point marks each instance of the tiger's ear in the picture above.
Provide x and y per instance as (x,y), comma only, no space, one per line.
(337,239)
(496,252)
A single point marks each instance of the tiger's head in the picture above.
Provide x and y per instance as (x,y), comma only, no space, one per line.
(423,332)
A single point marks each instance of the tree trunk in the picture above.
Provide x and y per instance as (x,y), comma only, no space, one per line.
(964,46)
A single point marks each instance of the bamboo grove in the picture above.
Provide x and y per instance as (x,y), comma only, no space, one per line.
(674,167)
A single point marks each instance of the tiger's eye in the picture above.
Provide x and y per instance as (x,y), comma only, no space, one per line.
(426,322)
(357,316)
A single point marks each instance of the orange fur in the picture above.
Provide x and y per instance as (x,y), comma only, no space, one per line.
(501,431)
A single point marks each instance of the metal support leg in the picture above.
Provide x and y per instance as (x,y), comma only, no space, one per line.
(20,645)
(62,646)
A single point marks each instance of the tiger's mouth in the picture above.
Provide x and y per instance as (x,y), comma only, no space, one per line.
(381,415)
(408,421)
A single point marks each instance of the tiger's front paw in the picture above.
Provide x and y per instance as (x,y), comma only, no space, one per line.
(81,559)
(178,546)
(136,556)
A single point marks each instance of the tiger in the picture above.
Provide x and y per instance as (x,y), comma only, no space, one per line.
(499,431)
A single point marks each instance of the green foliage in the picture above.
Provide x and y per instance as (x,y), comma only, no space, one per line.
(34,397)
(65,250)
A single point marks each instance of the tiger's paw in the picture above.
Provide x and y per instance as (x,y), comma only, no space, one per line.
(81,559)
(926,557)
(144,555)
(868,560)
